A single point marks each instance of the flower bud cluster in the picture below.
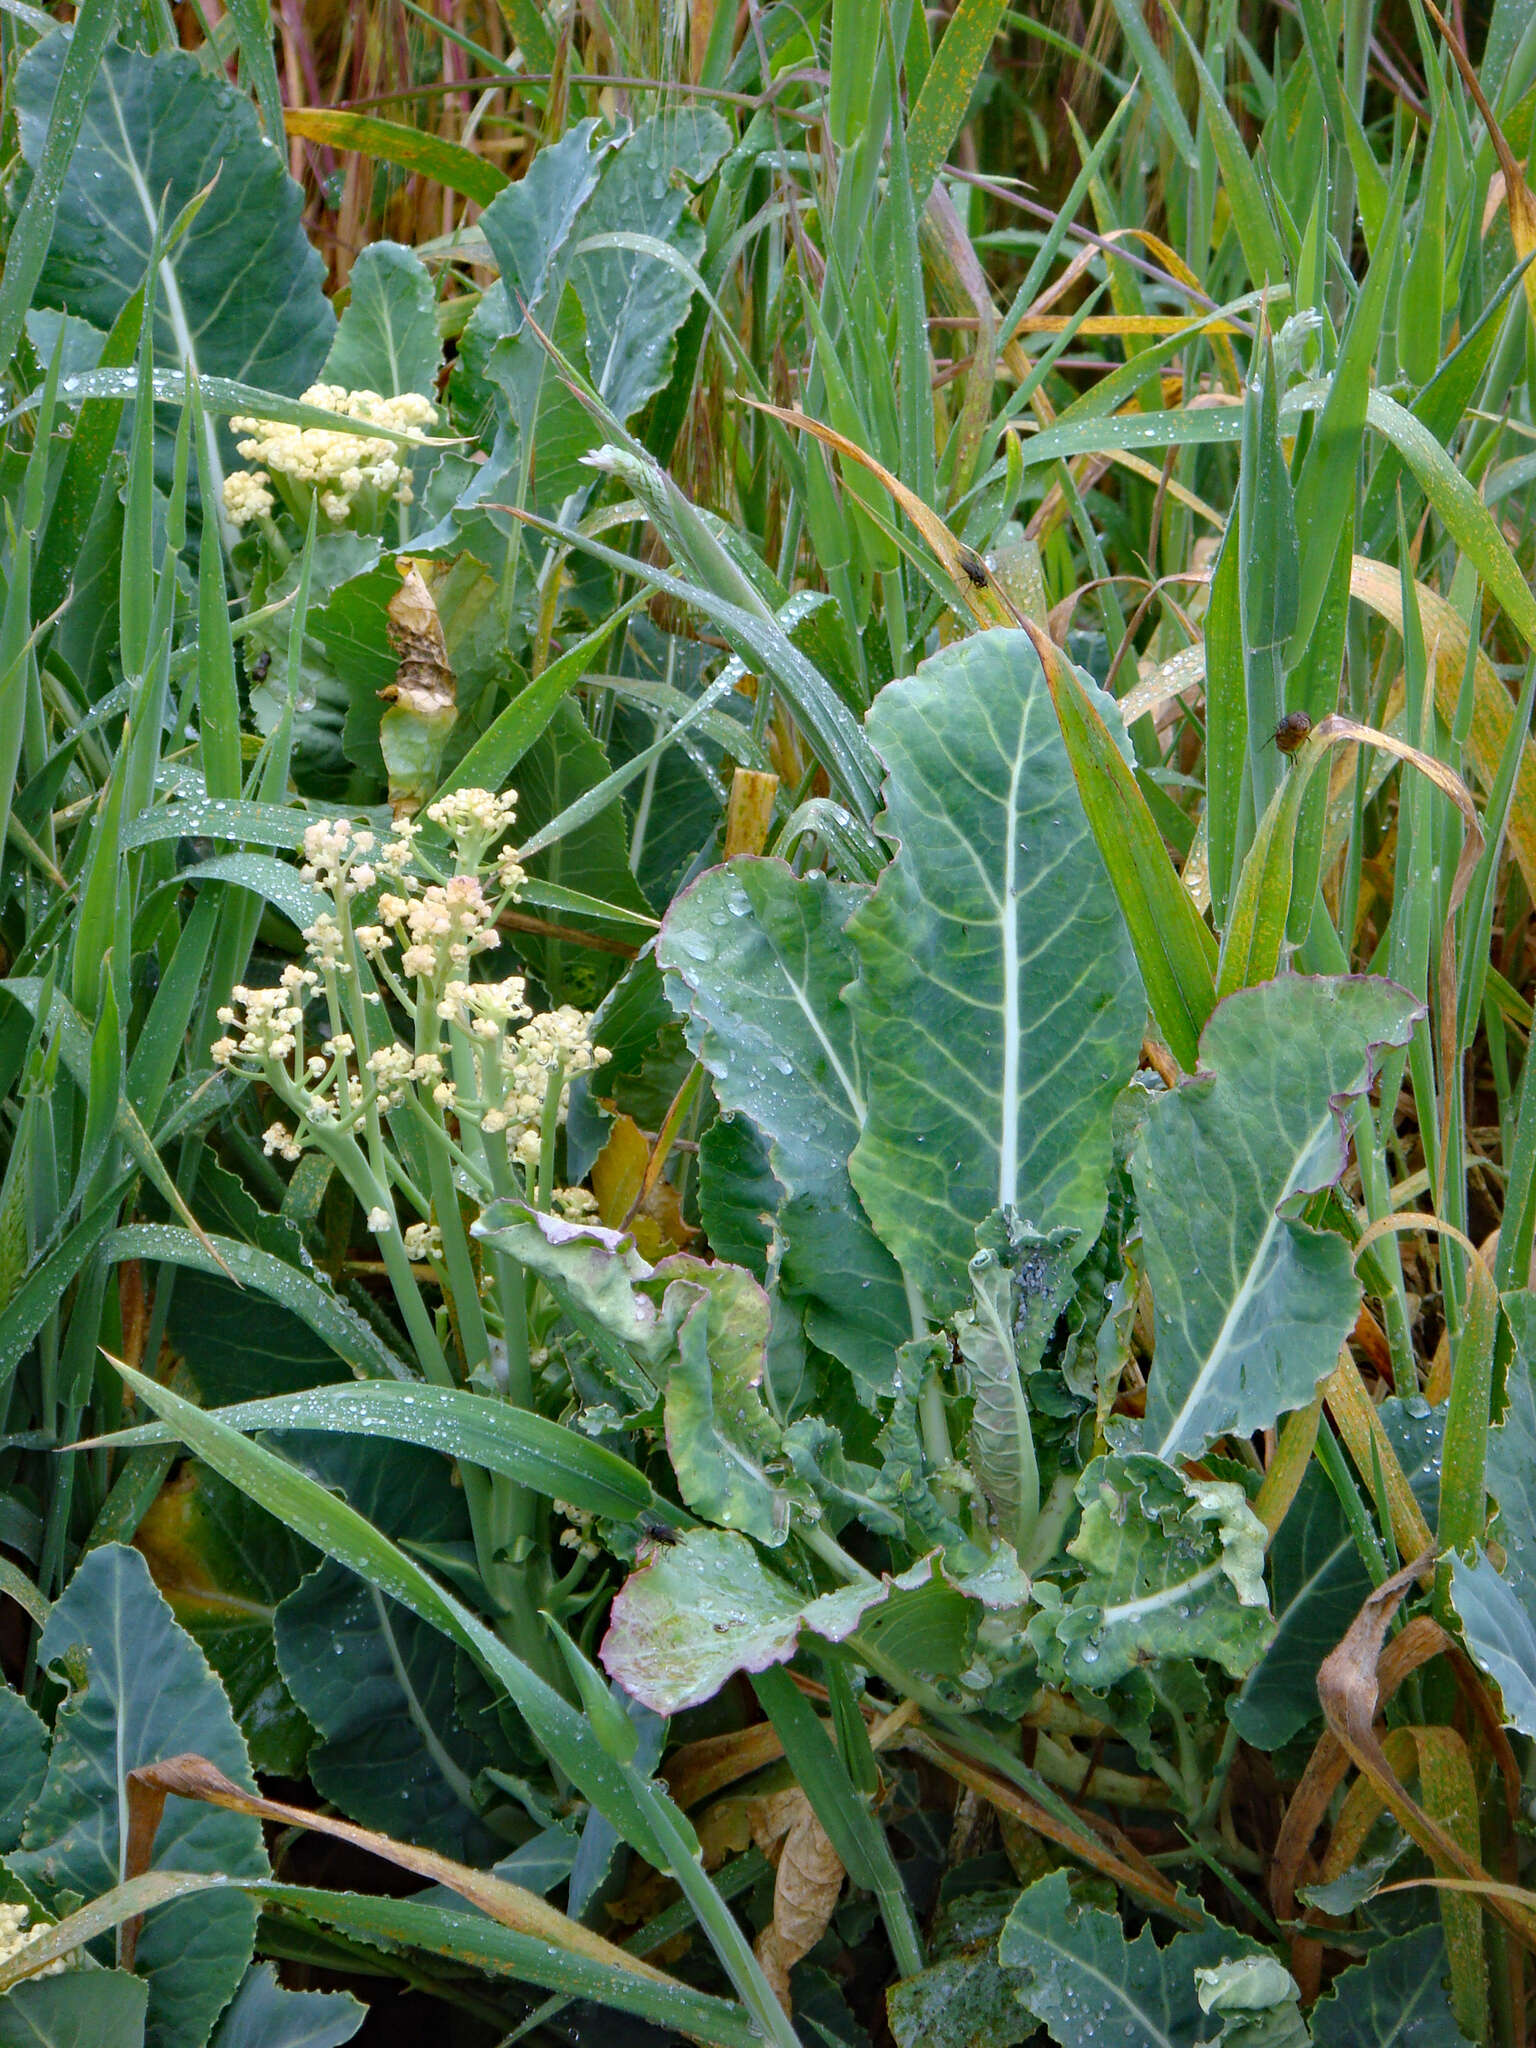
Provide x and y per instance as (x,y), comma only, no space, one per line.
(479,1055)
(15,1935)
(517,1062)
(343,468)
(579,1535)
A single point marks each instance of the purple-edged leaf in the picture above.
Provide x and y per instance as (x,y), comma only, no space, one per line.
(704,1608)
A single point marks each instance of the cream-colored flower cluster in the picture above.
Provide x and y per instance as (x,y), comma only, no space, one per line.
(345,469)
(517,1063)
(480,1055)
(578,1536)
(15,1936)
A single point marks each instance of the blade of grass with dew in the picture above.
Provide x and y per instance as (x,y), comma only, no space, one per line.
(851,1827)
(413,150)
(637,1808)
(957,64)
(549,1456)
(31,233)
(1174,949)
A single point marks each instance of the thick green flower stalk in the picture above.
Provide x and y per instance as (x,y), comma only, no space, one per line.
(423,1084)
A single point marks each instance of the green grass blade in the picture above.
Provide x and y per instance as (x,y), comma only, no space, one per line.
(639,1810)
(414,150)
(1226,723)
(1174,948)
(218,699)
(1325,488)
(26,247)
(1156,77)
(492,758)
(946,95)
(1262,251)
(851,1827)
(547,1456)
(1322,53)
(355,1342)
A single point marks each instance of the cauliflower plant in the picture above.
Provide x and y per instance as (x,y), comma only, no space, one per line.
(489,1074)
(356,476)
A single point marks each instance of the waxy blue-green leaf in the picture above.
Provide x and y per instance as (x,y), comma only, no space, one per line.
(1512,1450)
(23,1763)
(725,1445)
(405,1726)
(1088,1983)
(224,1566)
(139,1691)
(52,147)
(700,1329)
(1395,1999)
(388,339)
(594,1274)
(1172,1567)
(967,1999)
(1499,1628)
(241,295)
(81,2009)
(1020,1280)
(757,960)
(998,1003)
(639,1809)
(635,304)
(1252,1305)
(263,2014)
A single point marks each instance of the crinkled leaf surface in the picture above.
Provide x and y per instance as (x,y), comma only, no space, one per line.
(388,339)
(263,2014)
(757,960)
(80,2009)
(725,1446)
(1255,2001)
(1396,1999)
(1172,1567)
(1086,1982)
(1319,1583)
(620,306)
(242,293)
(1020,1279)
(700,1609)
(527,226)
(998,1003)
(700,1329)
(1251,1305)
(139,1692)
(595,1275)
(378,1683)
(634,301)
